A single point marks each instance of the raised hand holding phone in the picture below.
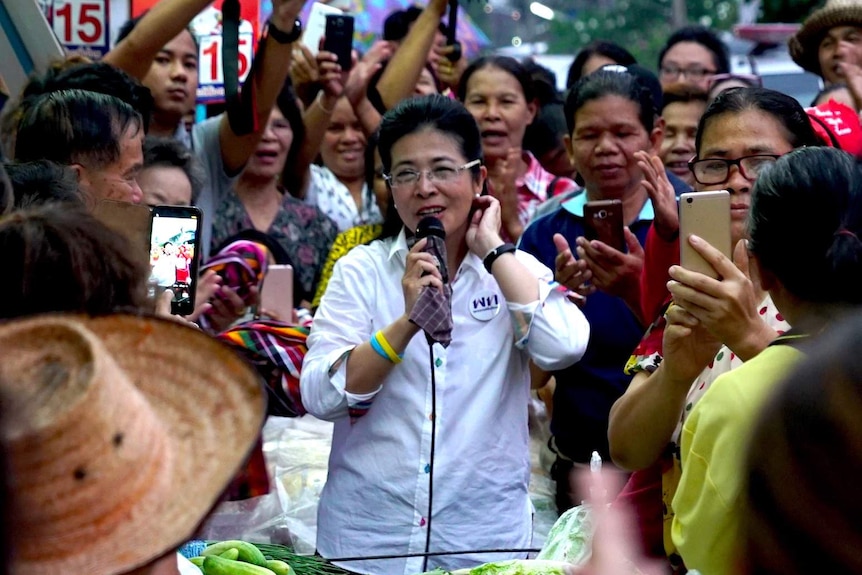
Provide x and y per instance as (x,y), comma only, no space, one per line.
(707,215)
(338,38)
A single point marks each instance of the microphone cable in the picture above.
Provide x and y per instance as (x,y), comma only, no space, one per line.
(431,463)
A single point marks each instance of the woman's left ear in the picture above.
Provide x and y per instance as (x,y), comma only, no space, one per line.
(479,182)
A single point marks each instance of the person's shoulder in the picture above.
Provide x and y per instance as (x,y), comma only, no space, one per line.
(556,221)
(202,130)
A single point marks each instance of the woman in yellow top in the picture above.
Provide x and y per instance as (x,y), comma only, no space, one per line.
(804,227)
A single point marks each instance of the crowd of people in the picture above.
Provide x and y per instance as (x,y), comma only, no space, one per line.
(434,211)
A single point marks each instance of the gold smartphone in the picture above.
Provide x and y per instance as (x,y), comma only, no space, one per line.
(706,215)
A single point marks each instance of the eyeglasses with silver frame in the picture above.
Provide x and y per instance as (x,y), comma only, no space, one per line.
(441,174)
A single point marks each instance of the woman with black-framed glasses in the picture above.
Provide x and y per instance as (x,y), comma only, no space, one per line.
(739,136)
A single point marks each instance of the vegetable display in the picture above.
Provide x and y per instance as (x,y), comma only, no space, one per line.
(242,558)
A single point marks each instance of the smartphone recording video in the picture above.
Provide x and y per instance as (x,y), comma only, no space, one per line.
(339,38)
(707,215)
(603,221)
(174,254)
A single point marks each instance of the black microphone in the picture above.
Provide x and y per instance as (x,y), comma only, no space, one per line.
(432,228)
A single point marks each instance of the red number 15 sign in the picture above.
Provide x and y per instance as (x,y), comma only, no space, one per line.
(210,74)
(82,25)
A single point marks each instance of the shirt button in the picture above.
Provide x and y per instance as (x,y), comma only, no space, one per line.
(438,362)
(427,468)
(422,522)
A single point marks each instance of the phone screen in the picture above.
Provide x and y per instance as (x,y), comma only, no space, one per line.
(174,254)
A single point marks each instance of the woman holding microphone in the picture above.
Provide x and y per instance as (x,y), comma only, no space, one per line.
(430,447)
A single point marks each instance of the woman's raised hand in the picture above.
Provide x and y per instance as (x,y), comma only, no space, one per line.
(501,185)
(483,233)
(356,86)
(332,77)
(303,68)
(420,272)
(613,271)
(727,307)
(573,273)
(661,193)
(687,346)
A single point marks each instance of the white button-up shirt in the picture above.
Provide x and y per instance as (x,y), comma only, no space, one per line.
(376,500)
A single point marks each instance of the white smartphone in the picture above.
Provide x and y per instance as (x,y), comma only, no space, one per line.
(276,295)
(315,28)
(706,215)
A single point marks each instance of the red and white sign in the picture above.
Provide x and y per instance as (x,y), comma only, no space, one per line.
(81,26)
(210,69)
(207,27)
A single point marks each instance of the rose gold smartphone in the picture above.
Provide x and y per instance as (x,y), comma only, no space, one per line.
(706,215)
(276,295)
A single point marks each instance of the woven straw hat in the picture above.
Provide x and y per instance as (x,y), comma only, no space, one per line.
(805,44)
(120,435)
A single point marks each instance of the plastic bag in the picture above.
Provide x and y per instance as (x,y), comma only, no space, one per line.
(297,456)
(571,537)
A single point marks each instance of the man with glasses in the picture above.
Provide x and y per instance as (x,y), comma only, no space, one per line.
(691,56)
(98,136)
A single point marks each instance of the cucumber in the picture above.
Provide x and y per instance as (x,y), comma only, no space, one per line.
(215,565)
(247,552)
(279,567)
(232,554)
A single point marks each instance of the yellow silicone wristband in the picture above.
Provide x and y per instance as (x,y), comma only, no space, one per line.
(387,347)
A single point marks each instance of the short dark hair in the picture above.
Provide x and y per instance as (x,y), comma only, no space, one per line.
(58,258)
(94,77)
(75,126)
(706,38)
(682,94)
(41,182)
(434,112)
(169,153)
(604,83)
(505,63)
(786,110)
(819,190)
(604,48)
(544,82)
(75,74)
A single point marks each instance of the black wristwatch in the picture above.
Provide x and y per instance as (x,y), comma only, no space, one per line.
(492,256)
(281,36)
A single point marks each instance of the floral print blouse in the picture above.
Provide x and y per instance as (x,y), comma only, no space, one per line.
(305,233)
